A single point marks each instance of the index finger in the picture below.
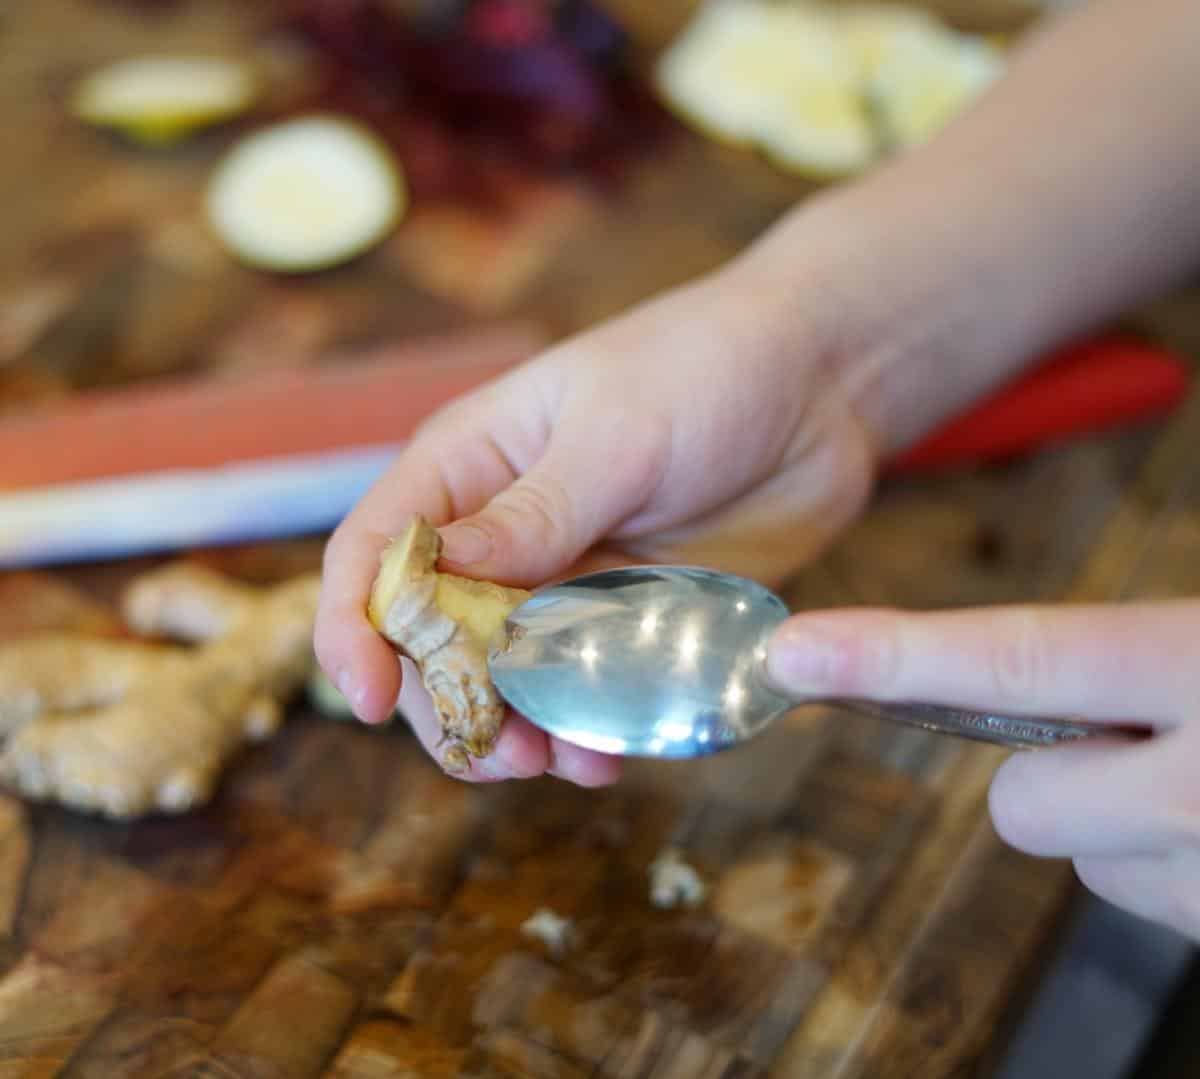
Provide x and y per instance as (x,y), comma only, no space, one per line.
(442,475)
(1135,663)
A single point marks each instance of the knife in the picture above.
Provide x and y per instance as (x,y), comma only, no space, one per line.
(203,462)
(1081,389)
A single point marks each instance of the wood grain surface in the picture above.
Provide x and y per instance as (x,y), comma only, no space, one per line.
(343,909)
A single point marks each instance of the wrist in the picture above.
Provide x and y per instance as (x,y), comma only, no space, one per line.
(954,265)
(915,321)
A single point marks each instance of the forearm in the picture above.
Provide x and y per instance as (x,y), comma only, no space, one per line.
(1068,194)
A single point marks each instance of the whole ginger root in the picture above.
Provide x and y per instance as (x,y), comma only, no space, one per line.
(444,624)
(125,727)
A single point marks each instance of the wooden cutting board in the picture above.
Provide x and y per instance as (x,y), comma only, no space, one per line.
(343,909)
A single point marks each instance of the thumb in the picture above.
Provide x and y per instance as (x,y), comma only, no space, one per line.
(591,477)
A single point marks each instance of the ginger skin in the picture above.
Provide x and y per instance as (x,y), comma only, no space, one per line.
(444,624)
(126,727)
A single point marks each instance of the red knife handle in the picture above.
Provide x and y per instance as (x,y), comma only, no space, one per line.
(202,422)
(1082,389)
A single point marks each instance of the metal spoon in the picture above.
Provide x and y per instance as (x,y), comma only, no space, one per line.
(667,661)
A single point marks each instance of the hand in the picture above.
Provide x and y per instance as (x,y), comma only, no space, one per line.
(1126,812)
(689,429)
(736,421)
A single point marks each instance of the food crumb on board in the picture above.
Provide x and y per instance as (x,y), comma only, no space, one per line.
(674,883)
(553,930)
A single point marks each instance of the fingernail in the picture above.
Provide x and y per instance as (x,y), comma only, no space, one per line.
(489,769)
(800,660)
(465,544)
(353,693)
(359,702)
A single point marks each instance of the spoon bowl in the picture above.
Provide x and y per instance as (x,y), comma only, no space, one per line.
(668,662)
(654,661)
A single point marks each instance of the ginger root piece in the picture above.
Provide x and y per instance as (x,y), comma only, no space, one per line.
(674,883)
(553,930)
(444,624)
(127,727)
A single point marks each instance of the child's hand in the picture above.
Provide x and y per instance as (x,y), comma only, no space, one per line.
(736,421)
(688,429)
(1127,813)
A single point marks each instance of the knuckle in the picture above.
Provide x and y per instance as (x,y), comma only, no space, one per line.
(1020,659)
(464,412)
(643,456)
(843,668)
(543,509)
(453,416)
(864,662)
(882,655)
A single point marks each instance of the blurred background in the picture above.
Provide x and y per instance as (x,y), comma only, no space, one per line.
(216,206)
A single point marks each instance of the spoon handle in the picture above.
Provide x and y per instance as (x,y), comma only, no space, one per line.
(1019,732)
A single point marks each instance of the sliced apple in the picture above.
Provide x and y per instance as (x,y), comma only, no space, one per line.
(776,76)
(921,83)
(824,89)
(876,30)
(162,99)
(306,194)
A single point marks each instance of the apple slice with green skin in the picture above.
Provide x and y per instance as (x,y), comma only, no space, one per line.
(918,72)
(306,194)
(162,99)
(824,90)
(778,77)
(924,84)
